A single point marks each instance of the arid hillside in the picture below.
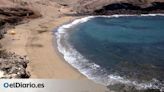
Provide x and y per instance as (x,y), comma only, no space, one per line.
(5,2)
(116,6)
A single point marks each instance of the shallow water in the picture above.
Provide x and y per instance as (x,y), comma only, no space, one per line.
(127,49)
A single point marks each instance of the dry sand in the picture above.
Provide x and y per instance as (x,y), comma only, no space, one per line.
(35,40)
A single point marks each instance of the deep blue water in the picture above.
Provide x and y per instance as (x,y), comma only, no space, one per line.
(130,47)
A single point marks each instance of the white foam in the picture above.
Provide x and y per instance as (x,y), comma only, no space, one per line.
(91,70)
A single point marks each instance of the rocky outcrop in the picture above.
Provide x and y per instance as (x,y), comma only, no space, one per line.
(107,7)
(12,16)
(12,66)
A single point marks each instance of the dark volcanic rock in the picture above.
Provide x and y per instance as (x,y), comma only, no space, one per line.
(13,66)
(108,7)
(19,12)
(126,8)
(12,16)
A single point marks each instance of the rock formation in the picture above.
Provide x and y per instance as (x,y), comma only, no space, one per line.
(106,7)
(12,65)
(12,16)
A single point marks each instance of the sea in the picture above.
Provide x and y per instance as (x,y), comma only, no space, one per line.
(117,49)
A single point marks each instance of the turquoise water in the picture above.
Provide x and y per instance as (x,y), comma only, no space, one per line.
(131,47)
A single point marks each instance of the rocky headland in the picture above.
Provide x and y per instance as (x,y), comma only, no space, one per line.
(109,7)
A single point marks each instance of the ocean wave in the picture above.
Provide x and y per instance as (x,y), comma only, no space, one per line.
(92,70)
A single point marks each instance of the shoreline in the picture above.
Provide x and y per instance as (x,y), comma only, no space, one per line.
(39,45)
(60,55)
(21,44)
(28,47)
(67,68)
(36,41)
(120,79)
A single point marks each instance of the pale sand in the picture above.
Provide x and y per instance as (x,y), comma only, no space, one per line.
(45,60)
(35,40)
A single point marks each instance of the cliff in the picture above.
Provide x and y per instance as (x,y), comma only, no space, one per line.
(120,6)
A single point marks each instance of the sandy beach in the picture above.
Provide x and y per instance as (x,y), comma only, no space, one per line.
(42,50)
(35,40)
(29,48)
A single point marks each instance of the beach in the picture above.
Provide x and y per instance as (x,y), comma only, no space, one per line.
(94,60)
(39,48)
(49,40)
(53,65)
(36,41)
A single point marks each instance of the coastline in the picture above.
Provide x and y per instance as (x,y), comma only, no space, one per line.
(60,55)
(66,52)
(67,67)
(29,42)
(35,40)
(52,63)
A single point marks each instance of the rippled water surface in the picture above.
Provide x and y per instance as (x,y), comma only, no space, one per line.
(129,48)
